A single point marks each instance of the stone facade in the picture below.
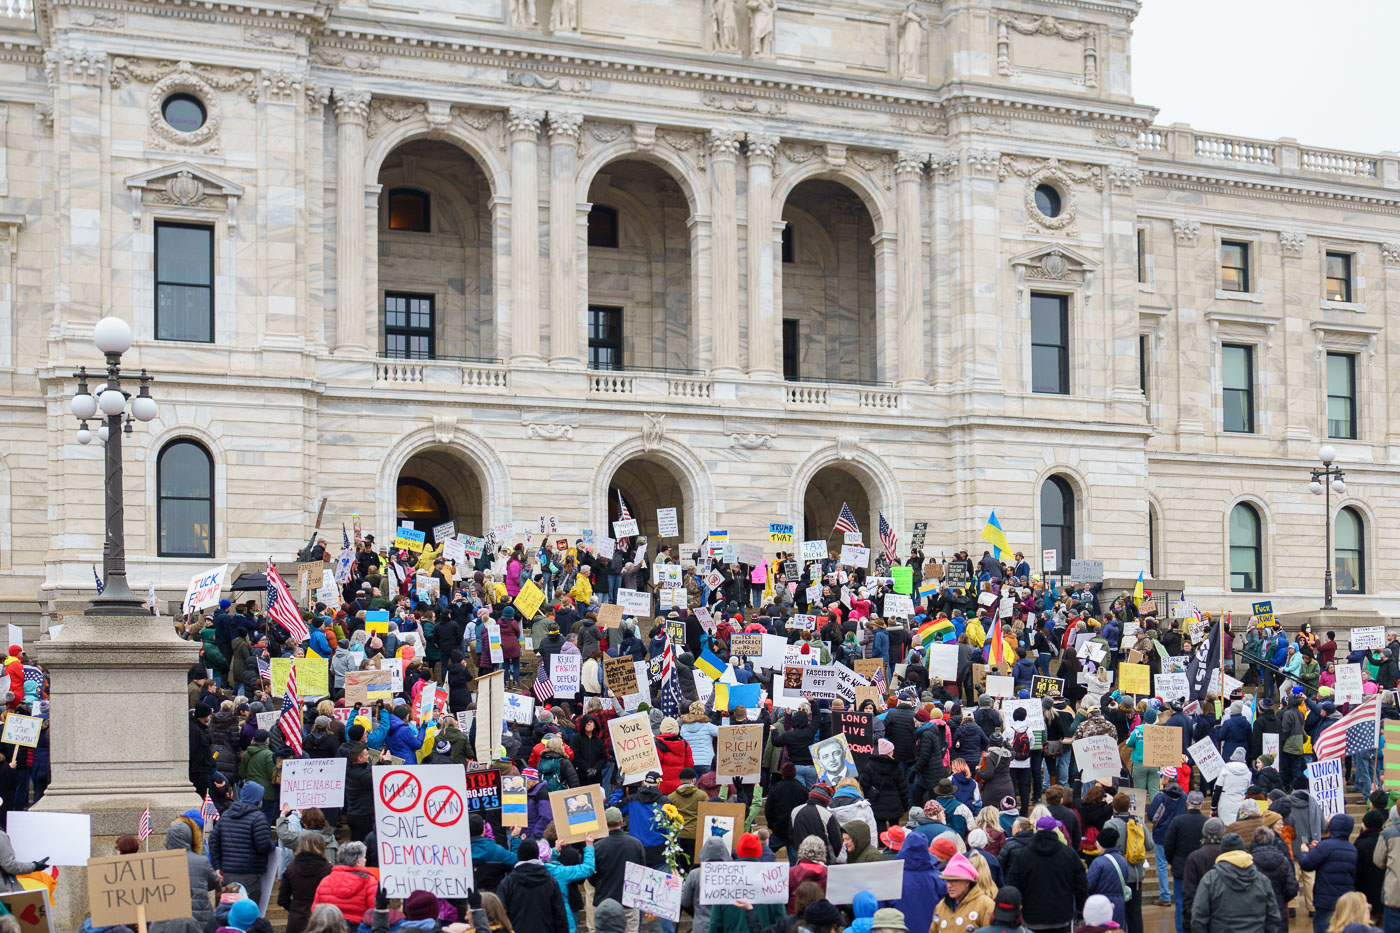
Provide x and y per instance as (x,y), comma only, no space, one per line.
(902,142)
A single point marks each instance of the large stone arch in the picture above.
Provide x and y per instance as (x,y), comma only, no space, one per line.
(692,185)
(694,478)
(460,443)
(881,487)
(474,143)
(865,187)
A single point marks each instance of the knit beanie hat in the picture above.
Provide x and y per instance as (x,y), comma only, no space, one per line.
(243,914)
(1098,911)
(820,794)
(748,846)
(420,905)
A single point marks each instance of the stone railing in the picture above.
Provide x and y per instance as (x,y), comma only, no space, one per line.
(1181,143)
(1230,149)
(1322,162)
(610,383)
(400,372)
(695,388)
(16,9)
(879,398)
(1153,139)
(485,378)
(479,377)
(807,396)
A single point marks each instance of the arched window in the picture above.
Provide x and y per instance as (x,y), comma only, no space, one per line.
(185,500)
(409,209)
(1057,519)
(1246,553)
(1350,552)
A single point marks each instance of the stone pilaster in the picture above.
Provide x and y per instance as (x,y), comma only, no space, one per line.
(765,324)
(524,126)
(351,113)
(724,239)
(565,325)
(909,178)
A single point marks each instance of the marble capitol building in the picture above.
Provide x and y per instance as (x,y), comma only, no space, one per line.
(487,260)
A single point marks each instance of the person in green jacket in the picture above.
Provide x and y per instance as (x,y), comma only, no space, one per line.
(213,658)
(449,731)
(734,918)
(258,765)
(1143,776)
(239,662)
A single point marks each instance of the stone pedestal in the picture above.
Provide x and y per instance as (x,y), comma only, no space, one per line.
(119,734)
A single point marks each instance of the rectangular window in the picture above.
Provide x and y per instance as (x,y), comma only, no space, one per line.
(792,367)
(184,282)
(1234,266)
(1341,395)
(1237,387)
(1338,277)
(1142,255)
(408,326)
(604,337)
(787,244)
(1144,347)
(1050,343)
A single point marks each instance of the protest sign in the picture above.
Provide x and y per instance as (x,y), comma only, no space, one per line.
(30,909)
(903,580)
(624,529)
(718,820)
(1097,756)
(21,730)
(1033,714)
(606,547)
(755,882)
(844,882)
(515,802)
(145,887)
(1325,781)
(473,546)
(1263,613)
(1000,686)
(313,782)
(746,644)
(518,708)
(377,621)
(1049,561)
(833,759)
(204,589)
(409,539)
(813,550)
(312,676)
(1207,758)
(268,719)
(609,615)
(750,554)
(621,675)
(490,713)
(1135,679)
(634,746)
(1086,571)
(528,600)
(495,651)
(779,533)
(582,808)
(1269,743)
(813,593)
(802,622)
(898,607)
(419,815)
(667,524)
(942,662)
(859,730)
(706,620)
(666,574)
(869,667)
(483,792)
(366,686)
(634,602)
(62,838)
(1173,686)
(1042,686)
(739,753)
(1348,685)
(1370,638)
(453,550)
(853,556)
(1161,746)
(395,668)
(652,891)
(565,671)
(443,532)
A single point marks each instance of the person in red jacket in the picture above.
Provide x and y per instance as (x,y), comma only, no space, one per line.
(674,752)
(350,886)
(14,666)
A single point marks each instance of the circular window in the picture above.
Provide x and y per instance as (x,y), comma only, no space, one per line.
(1047,200)
(185,112)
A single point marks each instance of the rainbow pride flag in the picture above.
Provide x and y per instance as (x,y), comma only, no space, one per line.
(935,630)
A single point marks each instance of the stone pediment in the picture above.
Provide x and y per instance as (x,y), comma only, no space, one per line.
(182,185)
(1054,263)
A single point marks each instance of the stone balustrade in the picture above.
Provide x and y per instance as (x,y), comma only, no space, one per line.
(1180,143)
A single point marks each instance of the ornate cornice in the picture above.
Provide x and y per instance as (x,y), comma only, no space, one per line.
(1272,188)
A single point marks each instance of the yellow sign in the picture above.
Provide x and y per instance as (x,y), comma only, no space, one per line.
(311,676)
(1135,679)
(528,600)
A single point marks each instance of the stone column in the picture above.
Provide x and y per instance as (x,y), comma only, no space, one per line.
(565,327)
(524,125)
(765,327)
(351,113)
(909,175)
(724,248)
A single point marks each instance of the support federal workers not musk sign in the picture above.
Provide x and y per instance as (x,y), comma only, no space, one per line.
(755,882)
(420,818)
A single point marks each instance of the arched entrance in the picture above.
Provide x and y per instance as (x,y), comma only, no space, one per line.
(648,484)
(436,486)
(831,487)
(828,285)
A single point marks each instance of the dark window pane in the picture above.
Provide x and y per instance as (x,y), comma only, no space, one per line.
(604,337)
(1338,277)
(788,251)
(409,210)
(184,265)
(185,501)
(183,254)
(1050,343)
(1057,519)
(1045,370)
(791,351)
(602,227)
(409,328)
(1245,550)
(183,313)
(1234,266)
(184,112)
(1349,571)
(1047,200)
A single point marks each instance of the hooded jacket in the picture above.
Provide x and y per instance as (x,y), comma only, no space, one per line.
(713,850)
(611,855)
(687,799)
(1305,816)
(1051,878)
(797,739)
(298,886)
(184,835)
(675,756)
(349,888)
(640,811)
(1276,866)
(862,849)
(1165,807)
(848,806)
(1229,898)
(532,899)
(1333,861)
(565,875)
(996,776)
(812,819)
(242,839)
(920,895)
(726,918)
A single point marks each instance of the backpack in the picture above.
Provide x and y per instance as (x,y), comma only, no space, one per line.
(1021,745)
(1135,848)
(550,773)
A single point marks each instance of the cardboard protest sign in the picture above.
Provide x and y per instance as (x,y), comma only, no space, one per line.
(858,729)
(582,809)
(515,801)
(565,672)
(528,601)
(746,644)
(146,887)
(750,554)
(844,882)
(313,782)
(31,909)
(634,602)
(717,820)
(739,752)
(1042,686)
(205,589)
(62,838)
(21,730)
(367,686)
(1135,679)
(755,882)
(620,674)
(420,816)
(490,713)
(1326,782)
(652,891)
(833,759)
(1097,756)
(634,746)
(312,676)
(609,615)
(1207,758)
(869,667)
(1161,746)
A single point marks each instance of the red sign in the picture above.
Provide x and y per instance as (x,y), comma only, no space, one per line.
(399,791)
(443,806)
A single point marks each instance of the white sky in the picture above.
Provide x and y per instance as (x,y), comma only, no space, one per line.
(1320,71)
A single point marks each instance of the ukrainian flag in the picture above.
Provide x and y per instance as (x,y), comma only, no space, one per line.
(1137,590)
(993,534)
(709,664)
(728,696)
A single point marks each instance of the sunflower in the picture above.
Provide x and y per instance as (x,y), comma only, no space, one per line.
(671,812)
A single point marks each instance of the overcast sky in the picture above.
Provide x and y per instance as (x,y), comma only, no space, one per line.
(1320,71)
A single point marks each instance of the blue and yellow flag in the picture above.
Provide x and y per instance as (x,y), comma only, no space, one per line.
(728,696)
(710,664)
(1137,590)
(993,534)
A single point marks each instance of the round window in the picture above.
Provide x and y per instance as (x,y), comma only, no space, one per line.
(1047,200)
(184,112)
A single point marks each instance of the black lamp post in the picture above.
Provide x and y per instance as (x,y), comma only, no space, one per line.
(113,337)
(1325,481)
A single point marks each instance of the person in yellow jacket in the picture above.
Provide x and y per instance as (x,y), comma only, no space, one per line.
(976,634)
(582,591)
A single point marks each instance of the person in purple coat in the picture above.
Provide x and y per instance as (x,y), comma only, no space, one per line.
(539,813)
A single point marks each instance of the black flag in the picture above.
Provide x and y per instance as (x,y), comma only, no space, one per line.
(1204,660)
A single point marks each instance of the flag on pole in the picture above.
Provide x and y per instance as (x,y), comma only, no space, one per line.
(1137,590)
(282,607)
(887,538)
(1354,733)
(143,832)
(290,720)
(996,645)
(846,521)
(98,580)
(709,664)
(208,812)
(993,534)
(670,699)
(623,513)
(543,689)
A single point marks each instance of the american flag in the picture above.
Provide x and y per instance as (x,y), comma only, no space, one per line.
(542,689)
(34,675)
(290,720)
(143,832)
(265,669)
(282,608)
(1355,732)
(98,580)
(207,811)
(846,521)
(623,513)
(669,700)
(887,538)
(878,680)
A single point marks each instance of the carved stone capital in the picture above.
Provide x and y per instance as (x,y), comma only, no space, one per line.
(909,165)
(763,146)
(564,125)
(1390,253)
(983,161)
(352,106)
(1124,176)
(524,124)
(1187,232)
(1291,243)
(724,143)
(945,164)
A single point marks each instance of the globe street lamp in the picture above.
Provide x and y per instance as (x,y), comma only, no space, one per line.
(1326,481)
(112,336)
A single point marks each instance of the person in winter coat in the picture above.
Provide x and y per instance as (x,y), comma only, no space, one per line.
(860,845)
(675,755)
(848,804)
(224,729)
(711,850)
(1231,895)
(811,866)
(293,826)
(1199,862)
(884,786)
(1108,873)
(1165,807)
(725,918)
(965,906)
(611,855)
(1333,862)
(258,765)
(201,749)
(900,728)
(969,740)
(1234,781)
(459,680)
(404,739)
(932,754)
(1236,732)
(797,737)
(554,765)
(184,834)
(565,874)
(1272,861)
(590,749)
(642,811)
(921,891)
(1304,815)
(783,798)
(1050,876)
(349,886)
(1370,880)
(297,889)
(241,841)
(490,860)
(701,735)
(814,818)
(687,799)
(1183,837)
(995,774)
(532,898)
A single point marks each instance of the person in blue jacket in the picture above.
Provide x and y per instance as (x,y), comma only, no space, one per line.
(490,860)
(1023,672)
(642,811)
(319,643)
(1333,862)
(404,740)
(920,894)
(565,874)
(1236,731)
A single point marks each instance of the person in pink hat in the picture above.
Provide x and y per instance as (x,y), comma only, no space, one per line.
(965,907)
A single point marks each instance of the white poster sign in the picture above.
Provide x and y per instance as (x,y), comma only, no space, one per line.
(625,529)
(565,672)
(667,524)
(420,816)
(62,838)
(1326,782)
(520,708)
(313,782)
(755,882)
(204,589)
(942,662)
(1370,638)
(634,602)
(898,606)
(1172,686)
(813,550)
(1034,713)
(1348,686)
(606,546)
(1097,756)
(652,891)
(844,882)
(852,556)
(999,685)
(1207,758)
